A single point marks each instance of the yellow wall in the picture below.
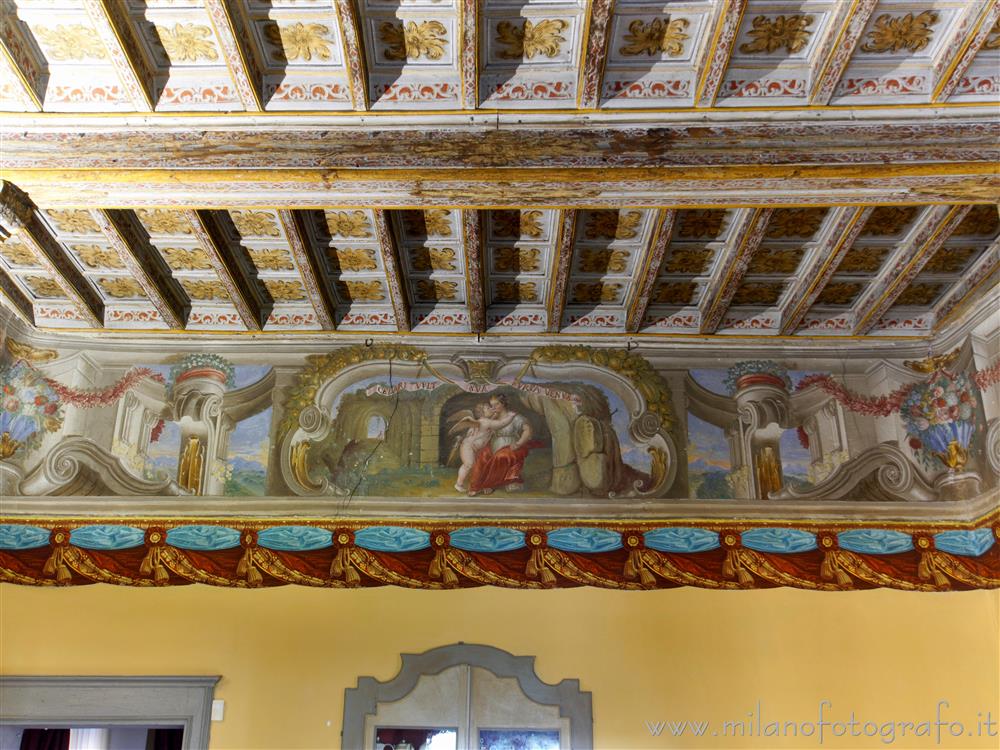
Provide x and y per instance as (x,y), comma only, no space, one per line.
(286,655)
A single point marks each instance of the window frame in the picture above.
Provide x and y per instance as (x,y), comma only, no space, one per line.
(574,704)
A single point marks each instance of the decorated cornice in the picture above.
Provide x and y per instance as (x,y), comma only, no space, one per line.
(534,555)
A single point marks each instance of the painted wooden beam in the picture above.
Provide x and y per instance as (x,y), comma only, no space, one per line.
(937,225)
(595,53)
(727,26)
(307,260)
(244,291)
(982,276)
(651,262)
(978,23)
(144,262)
(393,270)
(831,69)
(16,300)
(113,26)
(846,226)
(468,61)
(746,238)
(350,33)
(231,29)
(475,278)
(562,257)
(19,217)
(24,75)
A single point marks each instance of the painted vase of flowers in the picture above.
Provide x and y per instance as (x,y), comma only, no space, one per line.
(30,408)
(940,418)
(756,372)
(210,366)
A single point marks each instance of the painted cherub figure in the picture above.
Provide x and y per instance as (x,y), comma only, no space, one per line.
(478,429)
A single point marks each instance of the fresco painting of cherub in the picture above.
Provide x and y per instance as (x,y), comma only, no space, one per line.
(473,431)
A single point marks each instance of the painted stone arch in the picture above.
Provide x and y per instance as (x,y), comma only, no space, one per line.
(472,679)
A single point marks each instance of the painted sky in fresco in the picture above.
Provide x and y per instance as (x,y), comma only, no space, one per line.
(250,439)
(708,449)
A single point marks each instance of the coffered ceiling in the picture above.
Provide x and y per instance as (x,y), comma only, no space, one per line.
(819,270)
(719,168)
(424,55)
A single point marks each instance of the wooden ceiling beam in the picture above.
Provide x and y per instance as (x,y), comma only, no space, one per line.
(848,25)
(17,83)
(393,270)
(847,225)
(936,227)
(475,277)
(651,262)
(469,57)
(113,26)
(968,37)
(144,262)
(19,217)
(595,53)
(746,238)
(727,26)
(16,300)
(26,73)
(307,260)
(244,291)
(231,30)
(559,276)
(982,276)
(350,33)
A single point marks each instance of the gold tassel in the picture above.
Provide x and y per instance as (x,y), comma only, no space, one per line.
(830,569)
(733,568)
(56,566)
(927,569)
(152,564)
(434,571)
(246,568)
(636,568)
(342,567)
(531,569)
(727,565)
(536,568)
(439,569)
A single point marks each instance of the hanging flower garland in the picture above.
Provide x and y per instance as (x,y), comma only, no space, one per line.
(90,399)
(872,406)
(985,378)
(48,403)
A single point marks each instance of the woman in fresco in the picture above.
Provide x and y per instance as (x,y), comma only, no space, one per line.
(500,463)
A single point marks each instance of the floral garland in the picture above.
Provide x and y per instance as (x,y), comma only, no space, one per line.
(872,406)
(985,378)
(86,399)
